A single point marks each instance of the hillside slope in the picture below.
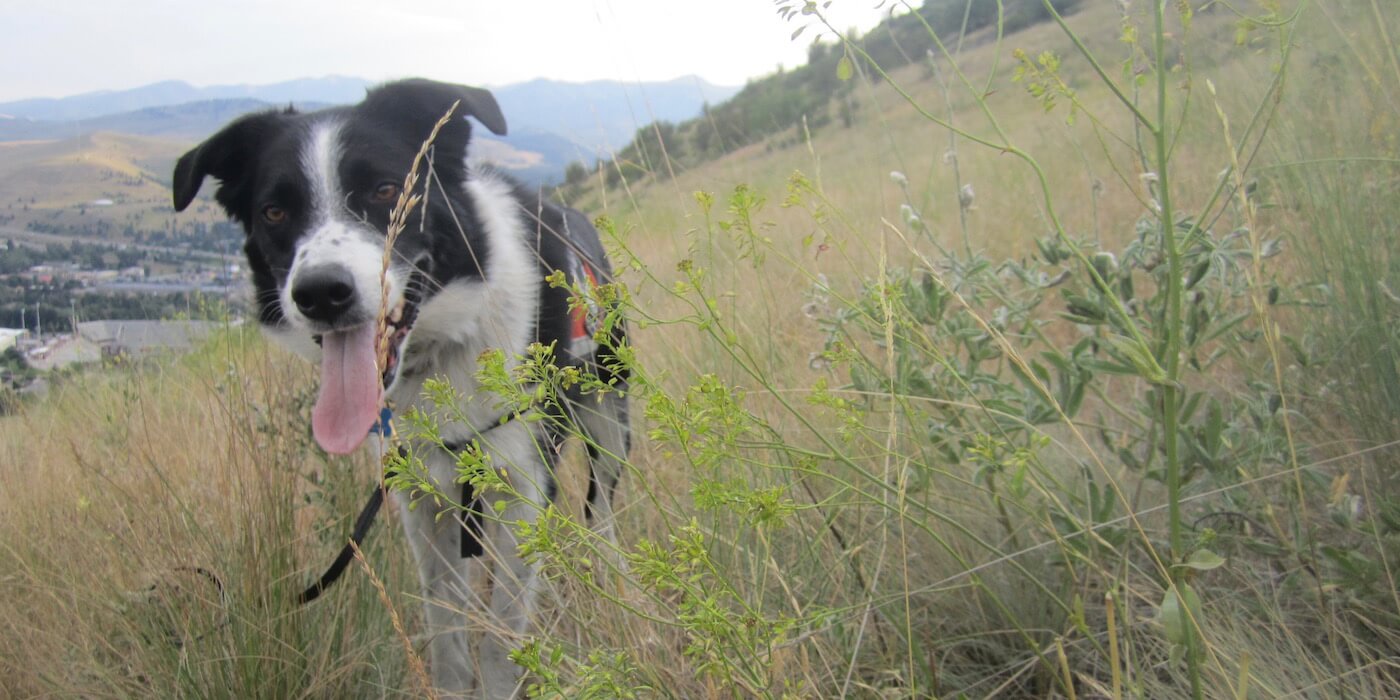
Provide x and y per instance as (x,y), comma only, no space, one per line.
(119,167)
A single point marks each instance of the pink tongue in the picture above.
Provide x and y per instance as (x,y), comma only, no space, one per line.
(350,391)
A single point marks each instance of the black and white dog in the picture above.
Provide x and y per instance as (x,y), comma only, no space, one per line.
(314,192)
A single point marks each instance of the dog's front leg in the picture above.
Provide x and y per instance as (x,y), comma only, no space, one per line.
(608,436)
(451,587)
(514,585)
(520,456)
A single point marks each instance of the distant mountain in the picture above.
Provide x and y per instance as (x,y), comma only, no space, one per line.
(534,157)
(551,123)
(603,115)
(328,90)
(189,121)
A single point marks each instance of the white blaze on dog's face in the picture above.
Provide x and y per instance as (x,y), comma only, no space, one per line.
(335,290)
(315,193)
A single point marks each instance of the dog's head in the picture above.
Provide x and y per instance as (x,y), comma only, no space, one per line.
(314,192)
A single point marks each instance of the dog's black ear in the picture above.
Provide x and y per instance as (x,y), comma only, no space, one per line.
(228,156)
(425,101)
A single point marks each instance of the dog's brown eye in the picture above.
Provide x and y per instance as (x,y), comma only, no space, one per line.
(273,214)
(385,193)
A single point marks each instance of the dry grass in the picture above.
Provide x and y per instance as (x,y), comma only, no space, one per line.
(129,474)
(127,479)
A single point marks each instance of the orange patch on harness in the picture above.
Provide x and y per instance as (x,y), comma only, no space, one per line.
(580,312)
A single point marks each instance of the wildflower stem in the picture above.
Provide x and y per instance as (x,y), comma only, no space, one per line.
(1103,75)
(1170,356)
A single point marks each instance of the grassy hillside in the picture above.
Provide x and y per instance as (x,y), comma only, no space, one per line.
(55,184)
(812,96)
(79,170)
(1046,377)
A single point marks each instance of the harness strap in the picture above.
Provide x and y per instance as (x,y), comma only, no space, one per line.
(473,529)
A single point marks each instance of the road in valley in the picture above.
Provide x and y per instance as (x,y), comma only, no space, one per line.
(35,239)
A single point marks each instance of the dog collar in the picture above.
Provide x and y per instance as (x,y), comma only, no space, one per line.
(384,427)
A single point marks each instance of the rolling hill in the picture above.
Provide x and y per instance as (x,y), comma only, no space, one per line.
(102,165)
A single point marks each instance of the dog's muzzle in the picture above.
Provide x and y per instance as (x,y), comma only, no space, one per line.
(356,365)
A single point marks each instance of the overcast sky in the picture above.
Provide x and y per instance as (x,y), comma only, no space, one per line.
(54,48)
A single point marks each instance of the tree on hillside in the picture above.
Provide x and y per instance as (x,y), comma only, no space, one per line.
(575,173)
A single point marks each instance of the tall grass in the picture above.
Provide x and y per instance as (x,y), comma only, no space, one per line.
(1113,422)
(1338,164)
(159,523)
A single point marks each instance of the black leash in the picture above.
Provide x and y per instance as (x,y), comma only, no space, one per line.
(342,560)
(473,530)
(472,527)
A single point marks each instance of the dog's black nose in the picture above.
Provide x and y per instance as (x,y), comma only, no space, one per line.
(324,293)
